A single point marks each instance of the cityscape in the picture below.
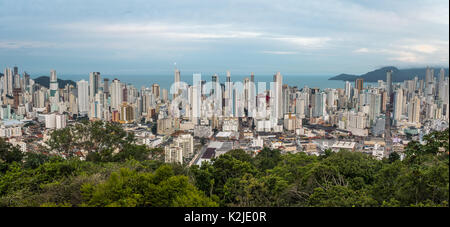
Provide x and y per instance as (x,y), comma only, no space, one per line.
(247,115)
(241,106)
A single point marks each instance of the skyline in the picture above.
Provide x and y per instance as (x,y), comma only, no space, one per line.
(141,38)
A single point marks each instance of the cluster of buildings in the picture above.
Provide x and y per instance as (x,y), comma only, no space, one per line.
(197,122)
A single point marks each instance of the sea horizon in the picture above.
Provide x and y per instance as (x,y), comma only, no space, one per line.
(165,81)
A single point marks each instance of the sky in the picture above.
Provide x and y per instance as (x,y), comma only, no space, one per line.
(142,37)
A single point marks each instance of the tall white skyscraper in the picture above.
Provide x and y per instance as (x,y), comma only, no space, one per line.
(54,94)
(278,80)
(348,89)
(195,99)
(228,96)
(398,104)
(53,83)
(176,81)
(116,94)
(251,102)
(83,96)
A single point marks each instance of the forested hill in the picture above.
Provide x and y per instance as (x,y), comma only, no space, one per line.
(399,75)
(45,81)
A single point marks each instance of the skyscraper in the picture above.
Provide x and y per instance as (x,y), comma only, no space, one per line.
(398,104)
(53,83)
(155,90)
(389,83)
(214,80)
(441,75)
(54,94)
(83,96)
(348,90)
(414,110)
(94,83)
(359,84)
(7,82)
(388,123)
(251,102)
(429,74)
(106,86)
(116,94)
(196,101)
(176,81)
(228,96)
(278,80)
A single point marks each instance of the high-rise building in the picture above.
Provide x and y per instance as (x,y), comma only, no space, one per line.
(176,83)
(348,90)
(359,84)
(53,83)
(156,90)
(116,94)
(94,84)
(389,83)
(441,75)
(83,96)
(106,86)
(196,100)
(16,70)
(8,82)
(398,104)
(286,92)
(278,80)
(251,97)
(388,123)
(429,76)
(228,108)
(414,110)
(54,94)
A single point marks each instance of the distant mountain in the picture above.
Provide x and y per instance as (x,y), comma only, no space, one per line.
(45,81)
(398,75)
(344,77)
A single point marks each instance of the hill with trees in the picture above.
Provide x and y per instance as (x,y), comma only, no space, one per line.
(398,75)
(45,81)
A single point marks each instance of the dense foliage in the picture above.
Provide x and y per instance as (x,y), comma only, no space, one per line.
(131,176)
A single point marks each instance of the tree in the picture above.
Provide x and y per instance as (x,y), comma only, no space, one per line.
(267,159)
(9,153)
(34,160)
(129,188)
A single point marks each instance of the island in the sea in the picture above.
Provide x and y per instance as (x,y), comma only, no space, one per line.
(398,75)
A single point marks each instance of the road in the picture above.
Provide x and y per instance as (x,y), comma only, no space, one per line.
(198,155)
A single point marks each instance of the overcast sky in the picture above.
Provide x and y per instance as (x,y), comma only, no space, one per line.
(293,37)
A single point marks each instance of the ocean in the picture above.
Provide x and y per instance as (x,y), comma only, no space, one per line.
(165,81)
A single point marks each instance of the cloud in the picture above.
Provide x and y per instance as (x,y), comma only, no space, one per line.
(322,33)
(182,33)
(412,51)
(362,50)
(305,42)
